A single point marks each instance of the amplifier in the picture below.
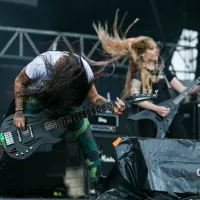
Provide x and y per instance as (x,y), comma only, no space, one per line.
(104,122)
(104,144)
(103,128)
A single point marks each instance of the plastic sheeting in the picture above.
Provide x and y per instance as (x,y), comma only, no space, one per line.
(112,194)
(165,165)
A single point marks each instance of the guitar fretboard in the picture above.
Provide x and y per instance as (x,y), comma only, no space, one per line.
(64,121)
(181,96)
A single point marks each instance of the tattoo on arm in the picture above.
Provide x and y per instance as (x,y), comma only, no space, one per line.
(19,114)
(20,83)
(18,95)
(101,101)
(135,86)
(18,103)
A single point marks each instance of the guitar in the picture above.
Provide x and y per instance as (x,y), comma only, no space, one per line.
(163,123)
(42,129)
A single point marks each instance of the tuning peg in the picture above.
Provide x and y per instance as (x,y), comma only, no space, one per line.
(156,91)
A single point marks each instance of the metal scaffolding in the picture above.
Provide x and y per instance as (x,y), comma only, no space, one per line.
(17,37)
(25,44)
(184,60)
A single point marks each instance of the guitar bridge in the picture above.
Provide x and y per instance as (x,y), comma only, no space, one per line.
(8,138)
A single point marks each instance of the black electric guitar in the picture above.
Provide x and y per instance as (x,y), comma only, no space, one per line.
(42,129)
(163,123)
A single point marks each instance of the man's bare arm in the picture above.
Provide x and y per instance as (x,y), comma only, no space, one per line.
(21,81)
(97,99)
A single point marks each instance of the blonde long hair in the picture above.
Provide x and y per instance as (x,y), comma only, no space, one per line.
(119,47)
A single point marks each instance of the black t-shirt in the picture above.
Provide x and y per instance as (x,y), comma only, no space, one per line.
(161,86)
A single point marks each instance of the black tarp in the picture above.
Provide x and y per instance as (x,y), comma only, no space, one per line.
(158,165)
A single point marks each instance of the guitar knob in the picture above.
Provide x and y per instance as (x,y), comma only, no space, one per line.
(26,151)
(22,153)
(31,148)
(17,154)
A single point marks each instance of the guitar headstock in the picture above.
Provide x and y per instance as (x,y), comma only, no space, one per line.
(139,97)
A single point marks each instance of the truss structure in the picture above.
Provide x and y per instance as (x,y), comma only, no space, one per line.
(26,44)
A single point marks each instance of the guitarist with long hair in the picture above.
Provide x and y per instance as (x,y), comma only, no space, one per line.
(145,73)
(60,82)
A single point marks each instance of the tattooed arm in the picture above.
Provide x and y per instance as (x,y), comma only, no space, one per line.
(97,99)
(20,83)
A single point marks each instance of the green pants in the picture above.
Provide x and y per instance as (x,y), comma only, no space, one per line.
(81,131)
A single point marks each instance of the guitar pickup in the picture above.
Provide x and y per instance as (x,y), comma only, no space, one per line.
(8,138)
(32,141)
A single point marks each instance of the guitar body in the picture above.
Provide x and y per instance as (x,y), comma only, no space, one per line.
(162,123)
(22,144)
(42,129)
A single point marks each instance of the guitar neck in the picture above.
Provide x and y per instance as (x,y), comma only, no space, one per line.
(89,112)
(181,96)
(63,121)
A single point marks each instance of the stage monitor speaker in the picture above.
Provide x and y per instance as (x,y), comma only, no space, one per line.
(162,165)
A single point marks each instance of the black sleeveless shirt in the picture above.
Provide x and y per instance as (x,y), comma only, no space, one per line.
(161,86)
